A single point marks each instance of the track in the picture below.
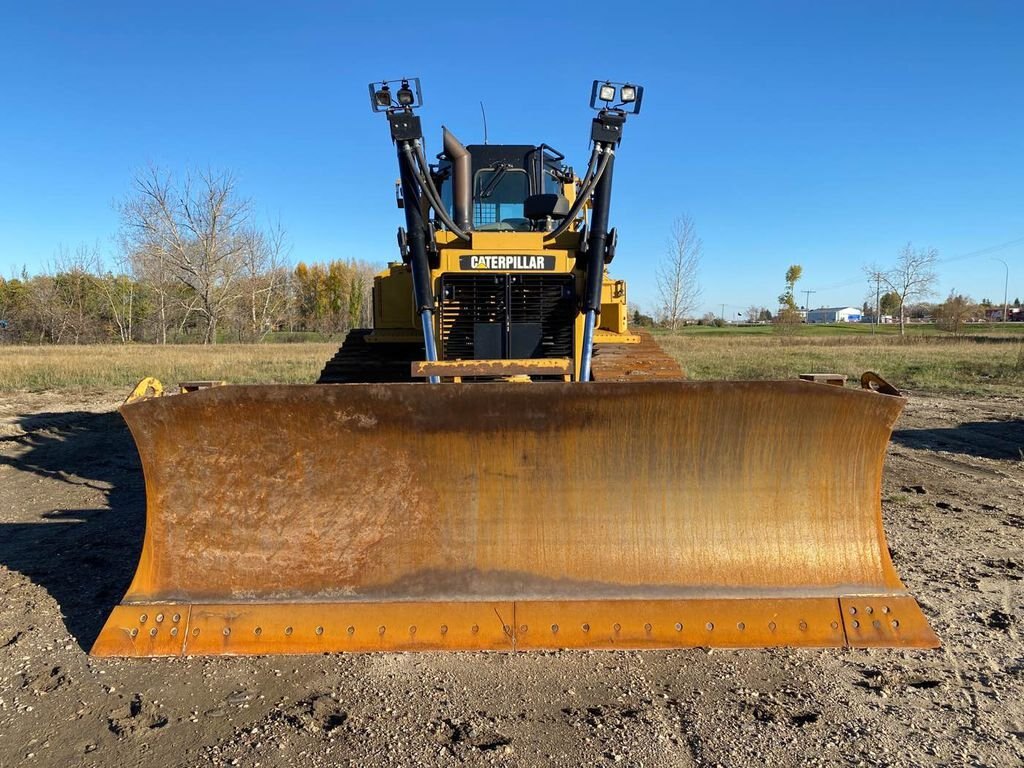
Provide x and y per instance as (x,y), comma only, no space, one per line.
(645,361)
(360,362)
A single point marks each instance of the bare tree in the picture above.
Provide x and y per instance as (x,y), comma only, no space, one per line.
(62,299)
(148,262)
(884,302)
(119,289)
(264,279)
(755,313)
(913,277)
(678,289)
(192,235)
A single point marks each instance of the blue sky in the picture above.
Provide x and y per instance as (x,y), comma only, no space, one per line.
(818,133)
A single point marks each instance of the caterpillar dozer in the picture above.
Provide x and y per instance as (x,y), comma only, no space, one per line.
(502,463)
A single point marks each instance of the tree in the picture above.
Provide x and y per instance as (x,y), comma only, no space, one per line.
(65,301)
(638,318)
(921,310)
(334,297)
(956,310)
(192,235)
(913,277)
(264,280)
(789,314)
(889,304)
(678,289)
(121,294)
(755,314)
(14,302)
(787,299)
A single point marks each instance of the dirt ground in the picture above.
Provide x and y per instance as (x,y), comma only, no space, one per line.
(71,518)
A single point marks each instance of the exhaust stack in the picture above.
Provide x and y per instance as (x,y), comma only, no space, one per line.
(462,194)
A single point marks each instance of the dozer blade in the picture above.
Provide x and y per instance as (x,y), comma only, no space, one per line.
(305,519)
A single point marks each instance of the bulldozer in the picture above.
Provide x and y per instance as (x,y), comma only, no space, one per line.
(501,463)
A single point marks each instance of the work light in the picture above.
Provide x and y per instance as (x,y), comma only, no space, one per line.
(405,97)
(382,98)
(617,97)
(405,94)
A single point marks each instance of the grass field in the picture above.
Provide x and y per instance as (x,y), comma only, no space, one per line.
(816,330)
(122,366)
(982,363)
(938,364)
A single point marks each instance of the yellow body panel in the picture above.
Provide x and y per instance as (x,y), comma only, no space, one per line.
(396,321)
(613,305)
(392,300)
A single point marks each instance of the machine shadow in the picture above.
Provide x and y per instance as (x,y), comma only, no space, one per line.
(984,439)
(84,558)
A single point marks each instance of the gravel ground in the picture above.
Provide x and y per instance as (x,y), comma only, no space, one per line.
(71,516)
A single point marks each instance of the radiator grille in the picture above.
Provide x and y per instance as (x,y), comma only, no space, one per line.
(511,301)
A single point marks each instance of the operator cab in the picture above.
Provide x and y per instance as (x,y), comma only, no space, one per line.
(514,187)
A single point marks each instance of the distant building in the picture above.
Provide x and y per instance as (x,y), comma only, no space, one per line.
(995,314)
(834,315)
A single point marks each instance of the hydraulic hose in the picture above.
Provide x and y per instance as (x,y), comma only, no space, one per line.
(585,191)
(597,246)
(581,198)
(426,187)
(433,197)
(423,294)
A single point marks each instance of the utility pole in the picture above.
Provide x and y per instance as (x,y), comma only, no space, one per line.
(1006,284)
(878,299)
(807,298)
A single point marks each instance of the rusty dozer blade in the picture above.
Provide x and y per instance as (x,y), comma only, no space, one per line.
(305,519)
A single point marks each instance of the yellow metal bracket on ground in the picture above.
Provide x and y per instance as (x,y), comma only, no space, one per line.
(148,387)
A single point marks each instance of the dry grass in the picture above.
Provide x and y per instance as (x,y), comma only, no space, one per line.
(121,367)
(941,364)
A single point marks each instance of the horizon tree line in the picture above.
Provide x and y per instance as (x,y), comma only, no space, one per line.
(191,265)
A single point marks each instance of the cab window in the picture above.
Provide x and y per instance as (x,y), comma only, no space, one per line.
(498,195)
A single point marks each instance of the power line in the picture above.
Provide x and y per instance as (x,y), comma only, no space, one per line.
(960,257)
(845,284)
(983,251)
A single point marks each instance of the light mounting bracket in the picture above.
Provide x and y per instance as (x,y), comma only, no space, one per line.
(396,95)
(620,97)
